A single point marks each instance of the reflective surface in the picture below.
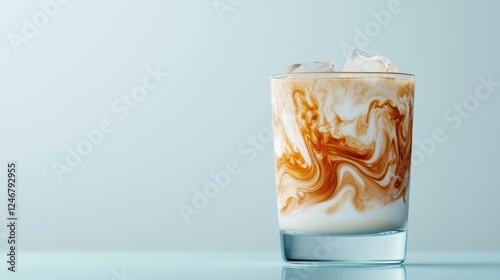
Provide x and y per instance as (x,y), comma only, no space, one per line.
(241,265)
(368,272)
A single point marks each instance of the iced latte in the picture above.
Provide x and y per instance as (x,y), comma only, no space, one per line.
(342,143)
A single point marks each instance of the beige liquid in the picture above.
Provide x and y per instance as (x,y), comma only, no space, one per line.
(342,152)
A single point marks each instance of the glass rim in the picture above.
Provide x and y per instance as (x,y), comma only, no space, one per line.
(342,75)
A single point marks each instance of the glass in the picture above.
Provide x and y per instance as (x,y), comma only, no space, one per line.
(342,147)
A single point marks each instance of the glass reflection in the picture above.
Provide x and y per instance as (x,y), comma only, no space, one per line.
(296,272)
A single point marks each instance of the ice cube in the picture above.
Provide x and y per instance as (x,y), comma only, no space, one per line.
(317,66)
(393,68)
(364,61)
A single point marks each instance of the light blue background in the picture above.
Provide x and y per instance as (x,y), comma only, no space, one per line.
(127,192)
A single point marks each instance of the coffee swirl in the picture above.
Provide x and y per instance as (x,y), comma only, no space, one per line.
(341,140)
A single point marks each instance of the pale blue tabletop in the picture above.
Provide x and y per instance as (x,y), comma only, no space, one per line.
(142,265)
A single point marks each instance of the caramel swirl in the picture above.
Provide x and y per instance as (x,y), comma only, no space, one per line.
(342,139)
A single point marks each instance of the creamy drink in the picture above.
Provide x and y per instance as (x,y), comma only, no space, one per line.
(342,143)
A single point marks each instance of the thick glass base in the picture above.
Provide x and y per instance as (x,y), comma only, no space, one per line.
(379,248)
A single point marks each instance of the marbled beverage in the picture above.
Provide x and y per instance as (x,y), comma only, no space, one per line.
(342,147)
